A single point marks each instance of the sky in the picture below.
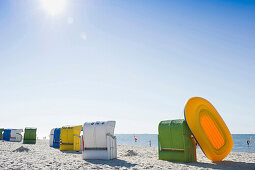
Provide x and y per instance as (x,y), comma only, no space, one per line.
(135,61)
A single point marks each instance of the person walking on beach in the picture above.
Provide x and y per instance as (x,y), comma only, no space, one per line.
(135,139)
(248,142)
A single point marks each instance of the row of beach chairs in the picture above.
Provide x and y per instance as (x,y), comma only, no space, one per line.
(15,135)
(97,140)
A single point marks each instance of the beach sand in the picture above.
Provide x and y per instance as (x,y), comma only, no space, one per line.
(41,156)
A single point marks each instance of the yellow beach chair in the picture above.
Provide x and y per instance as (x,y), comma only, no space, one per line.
(70,139)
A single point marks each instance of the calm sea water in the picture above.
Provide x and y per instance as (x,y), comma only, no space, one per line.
(240,141)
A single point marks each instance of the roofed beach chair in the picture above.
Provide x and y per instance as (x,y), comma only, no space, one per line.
(99,141)
(7,134)
(56,138)
(175,142)
(70,138)
(52,136)
(16,135)
(29,136)
(1,133)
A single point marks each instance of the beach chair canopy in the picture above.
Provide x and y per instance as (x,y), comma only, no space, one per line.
(7,134)
(99,141)
(175,142)
(70,139)
(16,135)
(1,133)
(52,136)
(30,136)
(56,138)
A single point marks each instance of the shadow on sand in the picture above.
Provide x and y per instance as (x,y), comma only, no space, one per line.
(72,152)
(112,163)
(222,165)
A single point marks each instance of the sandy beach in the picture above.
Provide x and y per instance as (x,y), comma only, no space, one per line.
(40,156)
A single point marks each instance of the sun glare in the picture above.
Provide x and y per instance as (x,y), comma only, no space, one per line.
(53,7)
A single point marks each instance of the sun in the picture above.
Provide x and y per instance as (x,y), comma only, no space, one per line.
(53,7)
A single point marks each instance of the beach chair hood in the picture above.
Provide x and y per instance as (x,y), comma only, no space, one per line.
(16,135)
(52,136)
(56,138)
(175,142)
(7,134)
(99,141)
(30,136)
(70,138)
(1,133)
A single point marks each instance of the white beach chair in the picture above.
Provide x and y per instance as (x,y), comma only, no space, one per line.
(52,137)
(99,141)
(16,135)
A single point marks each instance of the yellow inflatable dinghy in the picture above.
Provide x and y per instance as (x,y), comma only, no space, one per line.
(208,128)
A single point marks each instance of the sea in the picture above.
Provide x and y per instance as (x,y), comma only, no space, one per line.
(240,141)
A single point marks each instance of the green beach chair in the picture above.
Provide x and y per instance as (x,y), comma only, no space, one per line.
(30,136)
(175,141)
(1,133)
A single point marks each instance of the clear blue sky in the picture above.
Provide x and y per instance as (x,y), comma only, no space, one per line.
(136,62)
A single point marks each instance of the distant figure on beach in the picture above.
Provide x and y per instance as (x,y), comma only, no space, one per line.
(150,143)
(135,139)
(249,142)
